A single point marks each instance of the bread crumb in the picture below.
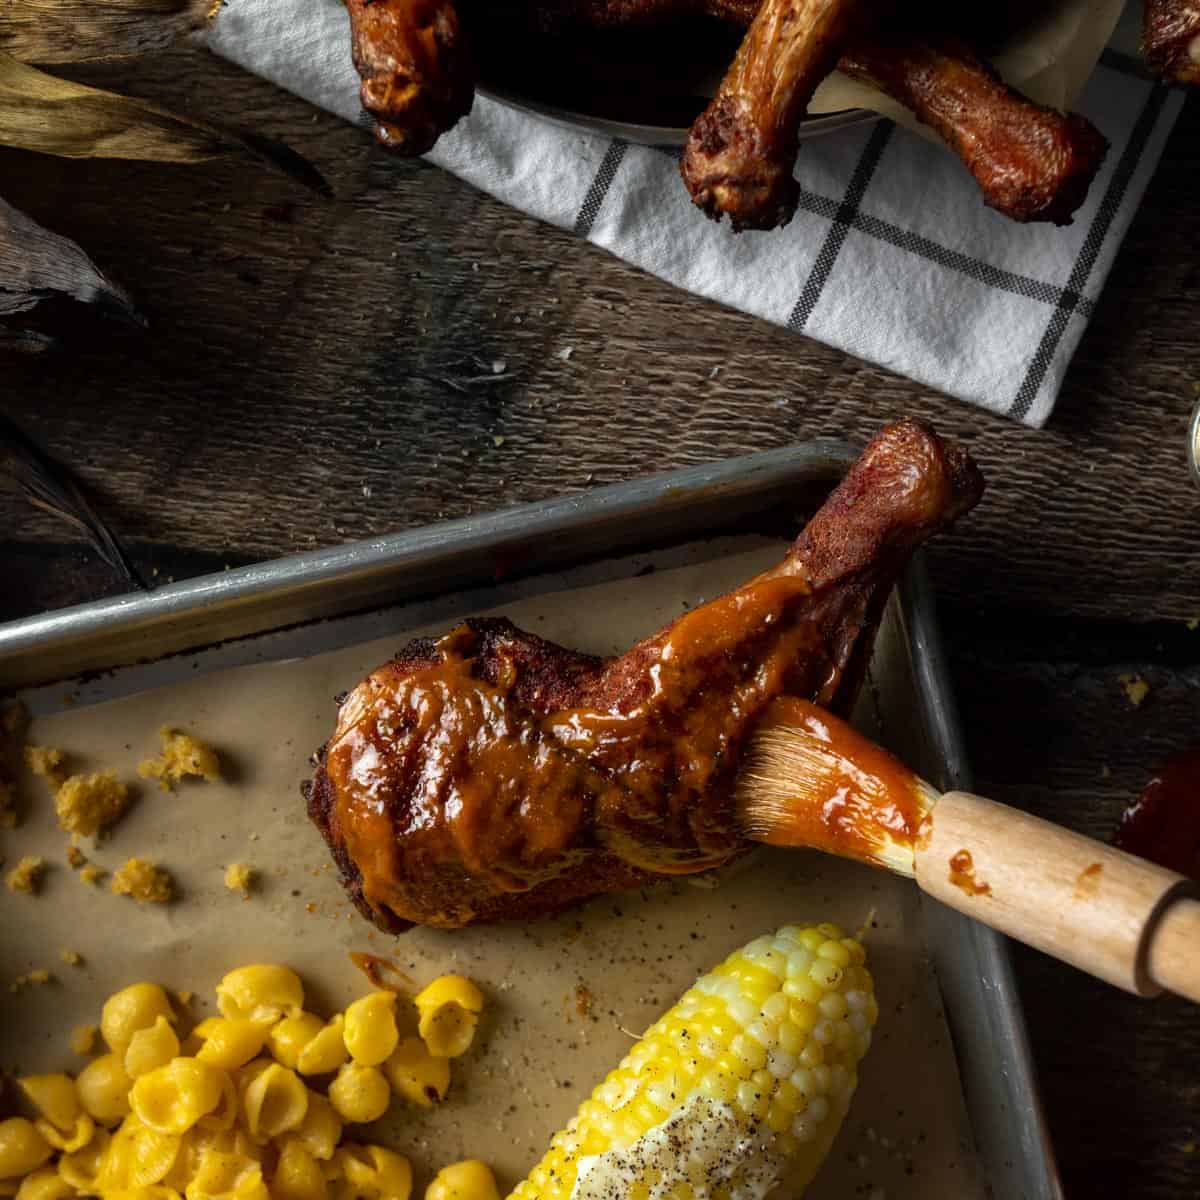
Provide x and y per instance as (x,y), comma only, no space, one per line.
(71,957)
(27,875)
(1136,688)
(145,882)
(239,878)
(13,718)
(45,762)
(76,857)
(83,1039)
(89,804)
(184,998)
(181,755)
(92,874)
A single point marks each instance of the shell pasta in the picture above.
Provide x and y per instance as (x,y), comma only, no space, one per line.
(250,1105)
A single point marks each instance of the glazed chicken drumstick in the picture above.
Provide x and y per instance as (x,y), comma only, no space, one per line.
(490,775)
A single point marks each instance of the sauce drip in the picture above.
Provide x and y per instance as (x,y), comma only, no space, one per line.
(1163,824)
(375,967)
(962,875)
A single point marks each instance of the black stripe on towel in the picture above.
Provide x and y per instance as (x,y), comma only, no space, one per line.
(1072,298)
(594,199)
(842,222)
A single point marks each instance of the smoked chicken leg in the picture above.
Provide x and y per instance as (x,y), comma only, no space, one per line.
(418,77)
(491,775)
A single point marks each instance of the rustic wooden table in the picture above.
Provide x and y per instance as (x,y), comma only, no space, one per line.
(322,371)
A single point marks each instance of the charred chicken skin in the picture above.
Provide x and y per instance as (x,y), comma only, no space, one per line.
(491,775)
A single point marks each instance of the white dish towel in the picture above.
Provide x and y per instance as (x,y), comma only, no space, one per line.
(892,256)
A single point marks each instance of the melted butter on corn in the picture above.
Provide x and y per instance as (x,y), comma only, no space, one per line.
(743,1085)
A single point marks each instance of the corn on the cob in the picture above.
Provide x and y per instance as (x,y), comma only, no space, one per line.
(741,1086)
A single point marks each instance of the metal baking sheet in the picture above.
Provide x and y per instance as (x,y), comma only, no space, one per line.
(267,613)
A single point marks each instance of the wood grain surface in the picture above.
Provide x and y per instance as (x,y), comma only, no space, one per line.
(317,371)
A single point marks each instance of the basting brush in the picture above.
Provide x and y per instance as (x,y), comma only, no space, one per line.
(809,780)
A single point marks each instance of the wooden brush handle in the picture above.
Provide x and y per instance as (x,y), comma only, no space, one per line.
(1112,914)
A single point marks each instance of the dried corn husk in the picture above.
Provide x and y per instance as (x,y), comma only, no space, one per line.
(60,31)
(52,488)
(36,264)
(57,116)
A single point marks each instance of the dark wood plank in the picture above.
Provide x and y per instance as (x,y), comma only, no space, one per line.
(1052,729)
(319,371)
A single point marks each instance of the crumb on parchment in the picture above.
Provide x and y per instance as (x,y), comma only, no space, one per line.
(71,957)
(40,976)
(1136,688)
(46,762)
(92,874)
(83,1039)
(239,877)
(89,804)
(75,857)
(27,875)
(182,755)
(145,882)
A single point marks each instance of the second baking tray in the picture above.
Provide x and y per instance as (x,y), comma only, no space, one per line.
(313,603)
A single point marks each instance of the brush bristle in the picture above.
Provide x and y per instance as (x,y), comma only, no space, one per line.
(810,780)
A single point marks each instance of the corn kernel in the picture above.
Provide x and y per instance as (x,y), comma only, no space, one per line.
(825,974)
(835,953)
